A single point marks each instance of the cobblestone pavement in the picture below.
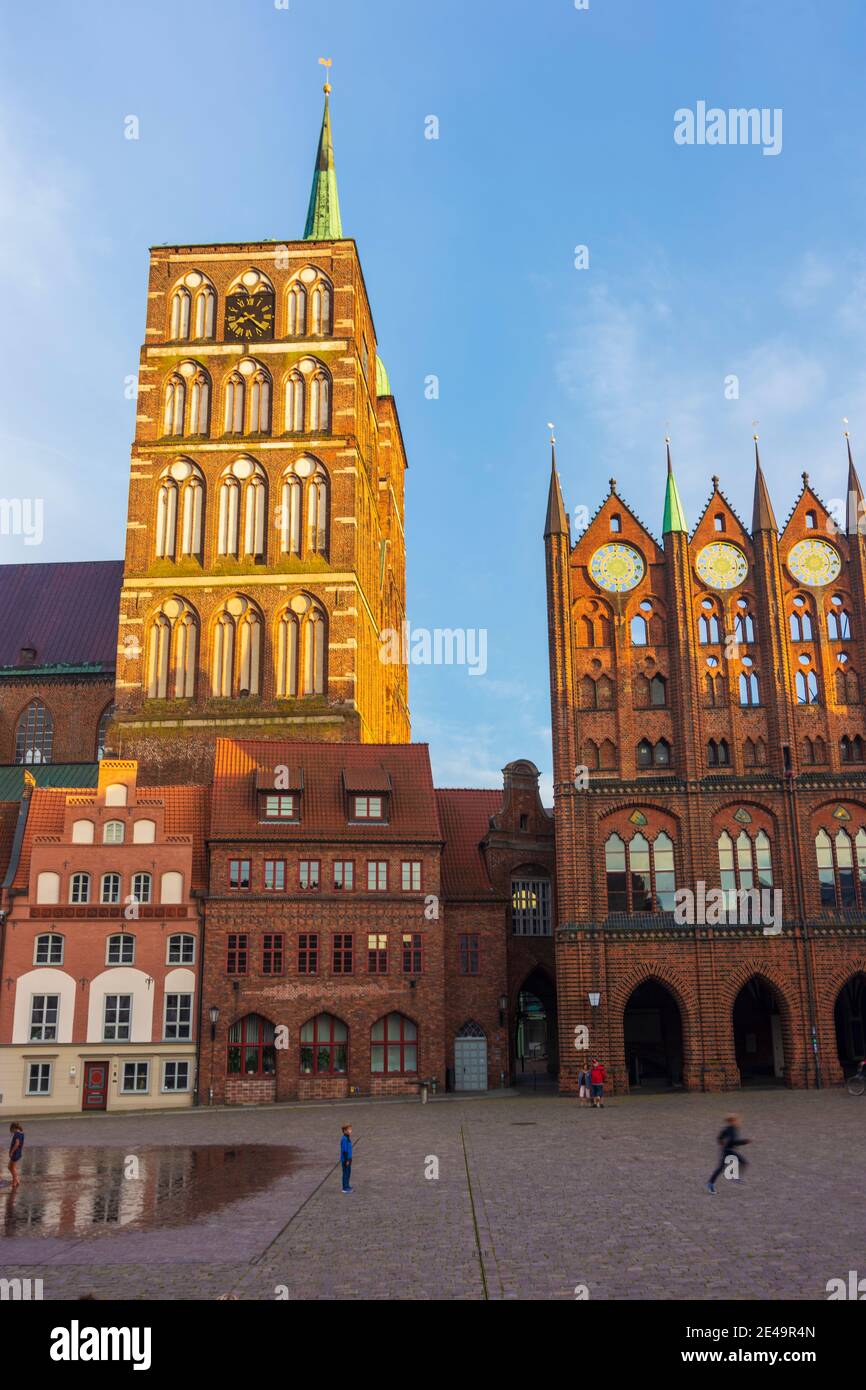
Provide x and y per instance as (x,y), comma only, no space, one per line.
(534,1197)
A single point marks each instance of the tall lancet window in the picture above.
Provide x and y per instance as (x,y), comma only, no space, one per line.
(233,415)
(297,310)
(294,420)
(180,307)
(174,405)
(260,403)
(199,406)
(320,402)
(179,506)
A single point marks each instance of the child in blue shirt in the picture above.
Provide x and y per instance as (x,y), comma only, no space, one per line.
(16,1148)
(346,1157)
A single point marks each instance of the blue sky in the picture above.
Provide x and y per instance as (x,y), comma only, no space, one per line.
(556,130)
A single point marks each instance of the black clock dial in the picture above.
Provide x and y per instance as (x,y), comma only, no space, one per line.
(249,317)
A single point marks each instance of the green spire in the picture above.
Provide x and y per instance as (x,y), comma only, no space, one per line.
(383,384)
(323,214)
(675,517)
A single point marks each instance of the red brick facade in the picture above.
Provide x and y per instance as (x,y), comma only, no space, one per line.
(700,694)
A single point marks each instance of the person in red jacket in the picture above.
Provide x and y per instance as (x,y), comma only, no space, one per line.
(597,1078)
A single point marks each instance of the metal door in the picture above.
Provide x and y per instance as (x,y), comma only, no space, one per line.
(470,1064)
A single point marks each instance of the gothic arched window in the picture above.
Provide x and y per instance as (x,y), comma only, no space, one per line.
(301,649)
(172,652)
(236,650)
(320,402)
(242,495)
(34,735)
(304,508)
(295,396)
(841,868)
(180,499)
(640,873)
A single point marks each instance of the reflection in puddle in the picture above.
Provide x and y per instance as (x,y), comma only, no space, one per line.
(84,1191)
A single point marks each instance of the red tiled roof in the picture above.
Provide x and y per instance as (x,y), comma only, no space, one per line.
(186,811)
(465,817)
(239,764)
(66,611)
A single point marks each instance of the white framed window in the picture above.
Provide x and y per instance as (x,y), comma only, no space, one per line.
(178,1017)
(79,888)
(117,1021)
(411,876)
(110,888)
(48,950)
(181,950)
(121,949)
(38,1079)
(136,1077)
(344,874)
(113,834)
(377,875)
(142,887)
(44,1013)
(367,808)
(175,1076)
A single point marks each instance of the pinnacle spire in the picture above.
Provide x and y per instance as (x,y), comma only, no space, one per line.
(323,215)
(557,519)
(762,511)
(856,509)
(675,517)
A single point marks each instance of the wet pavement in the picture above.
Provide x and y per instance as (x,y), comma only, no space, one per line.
(85,1191)
(512,1197)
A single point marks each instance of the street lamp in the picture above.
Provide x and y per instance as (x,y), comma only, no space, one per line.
(214,1015)
(594,998)
(503,1005)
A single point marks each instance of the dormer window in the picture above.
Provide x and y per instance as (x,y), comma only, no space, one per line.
(368,795)
(278,794)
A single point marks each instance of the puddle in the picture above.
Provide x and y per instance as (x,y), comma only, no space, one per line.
(83,1191)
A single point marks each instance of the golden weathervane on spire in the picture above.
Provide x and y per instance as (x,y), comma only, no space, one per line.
(328,64)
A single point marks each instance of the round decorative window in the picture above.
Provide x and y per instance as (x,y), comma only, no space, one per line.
(814,563)
(616,567)
(721,565)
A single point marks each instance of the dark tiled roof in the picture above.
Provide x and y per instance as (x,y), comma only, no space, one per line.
(465,817)
(186,811)
(67,612)
(73,776)
(239,763)
(8,822)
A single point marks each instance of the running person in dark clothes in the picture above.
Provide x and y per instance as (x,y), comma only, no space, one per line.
(346,1157)
(16,1148)
(729,1142)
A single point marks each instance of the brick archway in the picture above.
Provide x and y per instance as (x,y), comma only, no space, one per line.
(837,1063)
(796,1060)
(684,997)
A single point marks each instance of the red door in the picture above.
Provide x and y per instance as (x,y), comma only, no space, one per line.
(95,1086)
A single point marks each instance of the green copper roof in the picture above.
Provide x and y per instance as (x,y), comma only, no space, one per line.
(675,517)
(323,215)
(75,776)
(383,385)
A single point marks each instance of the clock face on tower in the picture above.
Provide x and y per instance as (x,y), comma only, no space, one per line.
(616,567)
(721,565)
(814,563)
(249,317)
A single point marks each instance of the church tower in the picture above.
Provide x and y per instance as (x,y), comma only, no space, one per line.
(265,548)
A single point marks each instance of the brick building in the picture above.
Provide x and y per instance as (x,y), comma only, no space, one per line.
(102,945)
(265,550)
(57,647)
(708,733)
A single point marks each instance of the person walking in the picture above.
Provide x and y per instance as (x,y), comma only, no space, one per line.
(729,1142)
(597,1078)
(16,1148)
(346,1158)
